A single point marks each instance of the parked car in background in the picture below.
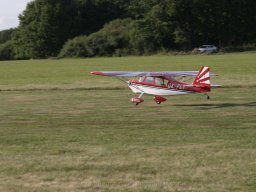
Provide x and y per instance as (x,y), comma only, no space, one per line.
(207,49)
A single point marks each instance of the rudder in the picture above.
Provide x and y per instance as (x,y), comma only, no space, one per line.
(202,79)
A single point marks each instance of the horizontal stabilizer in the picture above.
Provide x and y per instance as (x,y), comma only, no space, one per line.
(215,86)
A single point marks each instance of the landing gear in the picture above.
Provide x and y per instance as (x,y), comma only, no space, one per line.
(137,100)
(207,96)
(159,99)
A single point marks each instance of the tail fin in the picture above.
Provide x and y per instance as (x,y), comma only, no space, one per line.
(202,79)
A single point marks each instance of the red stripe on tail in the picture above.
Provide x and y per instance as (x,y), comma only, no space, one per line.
(202,79)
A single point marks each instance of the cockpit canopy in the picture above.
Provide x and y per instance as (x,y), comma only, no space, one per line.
(153,80)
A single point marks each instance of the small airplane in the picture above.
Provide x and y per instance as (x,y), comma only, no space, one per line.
(163,83)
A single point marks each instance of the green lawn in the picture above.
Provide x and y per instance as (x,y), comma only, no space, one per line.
(62,129)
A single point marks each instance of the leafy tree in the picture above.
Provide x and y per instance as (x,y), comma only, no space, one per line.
(93,14)
(44,27)
(222,22)
(112,39)
(153,31)
(138,8)
(6,51)
(154,25)
(6,35)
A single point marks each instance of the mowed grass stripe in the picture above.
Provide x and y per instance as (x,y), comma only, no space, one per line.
(233,69)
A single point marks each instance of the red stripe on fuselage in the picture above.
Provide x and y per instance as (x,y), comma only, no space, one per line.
(172,84)
(148,84)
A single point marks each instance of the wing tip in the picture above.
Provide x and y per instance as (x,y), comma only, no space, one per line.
(96,73)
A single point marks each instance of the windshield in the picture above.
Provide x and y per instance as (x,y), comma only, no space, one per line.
(149,80)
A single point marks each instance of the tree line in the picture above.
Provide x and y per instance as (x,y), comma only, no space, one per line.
(87,28)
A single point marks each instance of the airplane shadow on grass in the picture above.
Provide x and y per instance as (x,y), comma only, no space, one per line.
(218,105)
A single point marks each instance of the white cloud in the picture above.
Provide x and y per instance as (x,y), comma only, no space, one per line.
(2,20)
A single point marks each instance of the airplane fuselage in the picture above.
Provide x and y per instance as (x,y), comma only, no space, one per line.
(170,87)
(155,90)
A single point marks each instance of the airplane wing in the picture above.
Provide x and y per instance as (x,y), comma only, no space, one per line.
(151,74)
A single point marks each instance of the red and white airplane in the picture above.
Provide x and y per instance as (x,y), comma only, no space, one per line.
(164,83)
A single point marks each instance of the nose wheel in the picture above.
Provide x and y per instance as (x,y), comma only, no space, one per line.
(137,100)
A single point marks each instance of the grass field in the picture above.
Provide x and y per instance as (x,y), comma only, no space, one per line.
(62,129)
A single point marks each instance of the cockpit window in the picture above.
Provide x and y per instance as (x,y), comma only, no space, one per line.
(153,80)
(159,81)
(141,79)
(149,80)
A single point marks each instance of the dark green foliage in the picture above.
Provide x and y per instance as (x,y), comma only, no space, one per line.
(6,51)
(139,8)
(220,22)
(169,24)
(93,14)
(113,39)
(122,37)
(153,25)
(190,23)
(5,35)
(45,25)
(76,48)
(154,32)
(6,45)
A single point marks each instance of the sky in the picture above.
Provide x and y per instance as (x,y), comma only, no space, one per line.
(9,12)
